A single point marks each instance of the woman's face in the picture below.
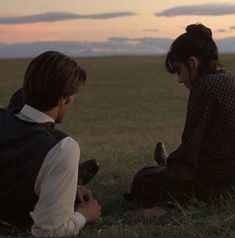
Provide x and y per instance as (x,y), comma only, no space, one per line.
(186,76)
(183,74)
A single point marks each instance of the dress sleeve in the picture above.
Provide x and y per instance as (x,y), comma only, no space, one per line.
(56,187)
(200,111)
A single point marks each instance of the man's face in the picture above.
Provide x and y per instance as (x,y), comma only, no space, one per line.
(63,108)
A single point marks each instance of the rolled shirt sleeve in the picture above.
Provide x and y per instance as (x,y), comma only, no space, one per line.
(56,187)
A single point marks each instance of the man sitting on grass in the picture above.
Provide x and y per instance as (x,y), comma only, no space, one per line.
(39,164)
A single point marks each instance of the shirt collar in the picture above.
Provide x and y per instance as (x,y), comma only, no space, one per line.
(35,115)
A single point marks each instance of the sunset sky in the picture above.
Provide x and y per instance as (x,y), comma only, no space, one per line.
(95,25)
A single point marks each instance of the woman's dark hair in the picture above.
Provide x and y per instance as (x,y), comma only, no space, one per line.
(49,77)
(197,41)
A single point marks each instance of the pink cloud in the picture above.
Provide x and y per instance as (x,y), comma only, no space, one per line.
(34,32)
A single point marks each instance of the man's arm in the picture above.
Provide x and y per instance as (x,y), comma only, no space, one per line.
(56,186)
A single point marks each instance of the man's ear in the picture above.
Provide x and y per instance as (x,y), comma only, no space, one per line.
(193,62)
(63,101)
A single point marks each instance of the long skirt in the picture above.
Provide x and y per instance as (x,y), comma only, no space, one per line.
(162,186)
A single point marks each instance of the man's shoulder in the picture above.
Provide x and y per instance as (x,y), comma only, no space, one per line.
(3,111)
(65,153)
(68,146)
(57,134)
(68,141)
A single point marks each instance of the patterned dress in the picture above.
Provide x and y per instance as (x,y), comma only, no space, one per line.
(208,138)
(204,164)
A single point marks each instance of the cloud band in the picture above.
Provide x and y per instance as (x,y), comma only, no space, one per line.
(199,10)
(61,16)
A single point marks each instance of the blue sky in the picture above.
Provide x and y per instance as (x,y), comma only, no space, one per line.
(106,27)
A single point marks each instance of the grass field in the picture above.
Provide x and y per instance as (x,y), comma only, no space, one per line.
(127,105)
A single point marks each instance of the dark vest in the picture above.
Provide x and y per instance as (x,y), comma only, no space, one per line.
(23,147)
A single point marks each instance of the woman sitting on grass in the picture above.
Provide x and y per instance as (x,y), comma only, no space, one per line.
(203,165)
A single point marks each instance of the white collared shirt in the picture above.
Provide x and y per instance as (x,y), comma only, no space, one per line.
(55,185)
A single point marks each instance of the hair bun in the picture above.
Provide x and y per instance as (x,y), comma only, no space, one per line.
(199,31)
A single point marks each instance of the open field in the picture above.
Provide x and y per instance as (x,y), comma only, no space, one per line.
(127,105)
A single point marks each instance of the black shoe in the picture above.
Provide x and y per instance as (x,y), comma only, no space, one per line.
(160,154)
(87,171)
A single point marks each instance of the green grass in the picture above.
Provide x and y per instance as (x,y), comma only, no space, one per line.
(127,105)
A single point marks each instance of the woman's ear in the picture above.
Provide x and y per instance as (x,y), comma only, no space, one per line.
(193,62)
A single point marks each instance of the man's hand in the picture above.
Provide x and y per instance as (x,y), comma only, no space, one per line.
(83,194)
(91,210)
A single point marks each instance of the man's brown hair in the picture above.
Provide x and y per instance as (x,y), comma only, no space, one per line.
(49,77)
